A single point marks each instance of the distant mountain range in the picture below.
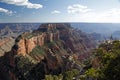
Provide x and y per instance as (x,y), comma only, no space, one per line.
(15,29)
(99,31)
(116,34)
(14,26)
(103,29)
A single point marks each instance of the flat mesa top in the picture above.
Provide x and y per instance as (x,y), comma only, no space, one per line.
(53,26)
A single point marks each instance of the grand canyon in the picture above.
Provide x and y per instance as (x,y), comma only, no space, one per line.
(59,40)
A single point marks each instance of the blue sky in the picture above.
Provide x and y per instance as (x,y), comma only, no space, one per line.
(60,11)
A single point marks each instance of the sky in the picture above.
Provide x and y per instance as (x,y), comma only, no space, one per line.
(100,11)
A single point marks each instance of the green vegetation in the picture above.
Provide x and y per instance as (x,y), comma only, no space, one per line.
(68,75)
(50,44)
(18,38)
(30,35)
(104,65)
(54,45)
(23,65)
(108,55)
(92,72)
(54,77)
(37,51)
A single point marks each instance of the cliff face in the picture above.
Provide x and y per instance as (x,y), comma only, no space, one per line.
(25,45)
(74,40)
(48,48)
(6,45)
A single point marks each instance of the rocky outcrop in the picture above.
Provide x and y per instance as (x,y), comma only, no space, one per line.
(74,40)
(6,45)
(25,46)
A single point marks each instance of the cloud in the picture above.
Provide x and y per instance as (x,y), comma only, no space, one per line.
(2,10)
(111,15)
(77,8)
(25,3)
(55,12)
(112,12)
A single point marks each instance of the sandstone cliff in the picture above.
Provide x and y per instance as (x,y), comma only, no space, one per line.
(72,39)
(6,45)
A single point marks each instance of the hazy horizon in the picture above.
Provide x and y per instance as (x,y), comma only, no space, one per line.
(65,22)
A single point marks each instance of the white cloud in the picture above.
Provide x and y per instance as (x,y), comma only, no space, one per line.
(25,3)
(2,10)
(111,15)
(55,12)
(112,12)
(77,8)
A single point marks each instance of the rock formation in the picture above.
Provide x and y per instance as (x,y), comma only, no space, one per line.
(6,45)
(48,48)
